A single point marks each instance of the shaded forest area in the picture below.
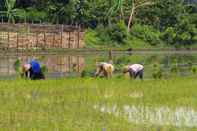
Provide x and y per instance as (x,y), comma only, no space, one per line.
(114,22)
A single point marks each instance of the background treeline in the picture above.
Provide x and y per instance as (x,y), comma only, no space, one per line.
(129,23)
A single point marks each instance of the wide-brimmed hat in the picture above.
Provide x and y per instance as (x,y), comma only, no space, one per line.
(125,69)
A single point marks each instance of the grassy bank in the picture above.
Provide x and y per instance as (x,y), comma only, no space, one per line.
(68,104)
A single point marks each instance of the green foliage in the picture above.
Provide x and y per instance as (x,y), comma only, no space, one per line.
(157,71)
(194,70)
(17,65)
(36,15)
(174,68)
(147,33)
(114,35)
(87,73)
(60,12)
(174,19)
(78,104)
(184,33)
(44,69)
(118,32)
(11,12)
(169,35)
(91,38)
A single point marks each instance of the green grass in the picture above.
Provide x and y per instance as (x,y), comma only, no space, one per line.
(67,104)
(93,40)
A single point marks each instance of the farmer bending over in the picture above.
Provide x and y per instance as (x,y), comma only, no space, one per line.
(105,69)
(134,70)
(32,70)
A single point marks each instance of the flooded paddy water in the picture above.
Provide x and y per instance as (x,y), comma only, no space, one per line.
(158,116)
(73,64)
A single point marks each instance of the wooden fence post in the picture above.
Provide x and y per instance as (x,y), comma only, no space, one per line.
(62,28)
(69,45)
(17,41)
(69,63)
(27,37)
(8,40)
(78,63)
(36,40)
(53,44)
(78,35)
(44,40)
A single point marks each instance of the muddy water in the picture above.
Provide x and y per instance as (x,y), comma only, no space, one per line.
(57,65)
(162,116)
(64,65)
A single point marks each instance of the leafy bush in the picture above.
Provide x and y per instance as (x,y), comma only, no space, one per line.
(169,35)
(183,33)
(91,38)
(194,70)
(114,34)
(157,73)
(36,15)
(147,33)
(17,65)
(104,34)
(174,68)
(44,69)
(87,73)
(118,32)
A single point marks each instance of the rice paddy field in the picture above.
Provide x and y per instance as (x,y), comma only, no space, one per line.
(97,104)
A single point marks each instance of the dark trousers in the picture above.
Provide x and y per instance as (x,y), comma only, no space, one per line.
(37,76)
(34,76)
(136,74)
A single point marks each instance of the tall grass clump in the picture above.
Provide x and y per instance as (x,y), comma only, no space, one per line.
(146,33)
(157,71)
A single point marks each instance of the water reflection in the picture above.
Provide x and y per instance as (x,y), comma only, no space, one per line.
(162,116)
(74,64)
(57,65)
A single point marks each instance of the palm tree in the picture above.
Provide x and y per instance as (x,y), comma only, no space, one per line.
(11,12)
(117,7)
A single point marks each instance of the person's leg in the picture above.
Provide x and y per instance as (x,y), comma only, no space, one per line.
(42,76)
(36,76)
(141,74)
(135,74)
(105,73)
(33,76)
(39,76)
(132,74)
(27,74)
(99,71)
(31,73)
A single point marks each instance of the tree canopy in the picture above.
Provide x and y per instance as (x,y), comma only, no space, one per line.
(178,17)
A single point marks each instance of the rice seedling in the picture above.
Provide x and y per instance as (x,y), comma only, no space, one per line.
(80,104)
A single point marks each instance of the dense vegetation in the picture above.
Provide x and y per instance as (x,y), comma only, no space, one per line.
(127,23)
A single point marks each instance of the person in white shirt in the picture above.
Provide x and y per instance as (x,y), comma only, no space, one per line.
(134,70)
(104,68)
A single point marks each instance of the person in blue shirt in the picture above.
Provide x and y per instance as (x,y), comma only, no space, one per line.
(32,70)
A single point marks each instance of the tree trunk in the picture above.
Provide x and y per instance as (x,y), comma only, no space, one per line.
(121,14)
(131,18)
